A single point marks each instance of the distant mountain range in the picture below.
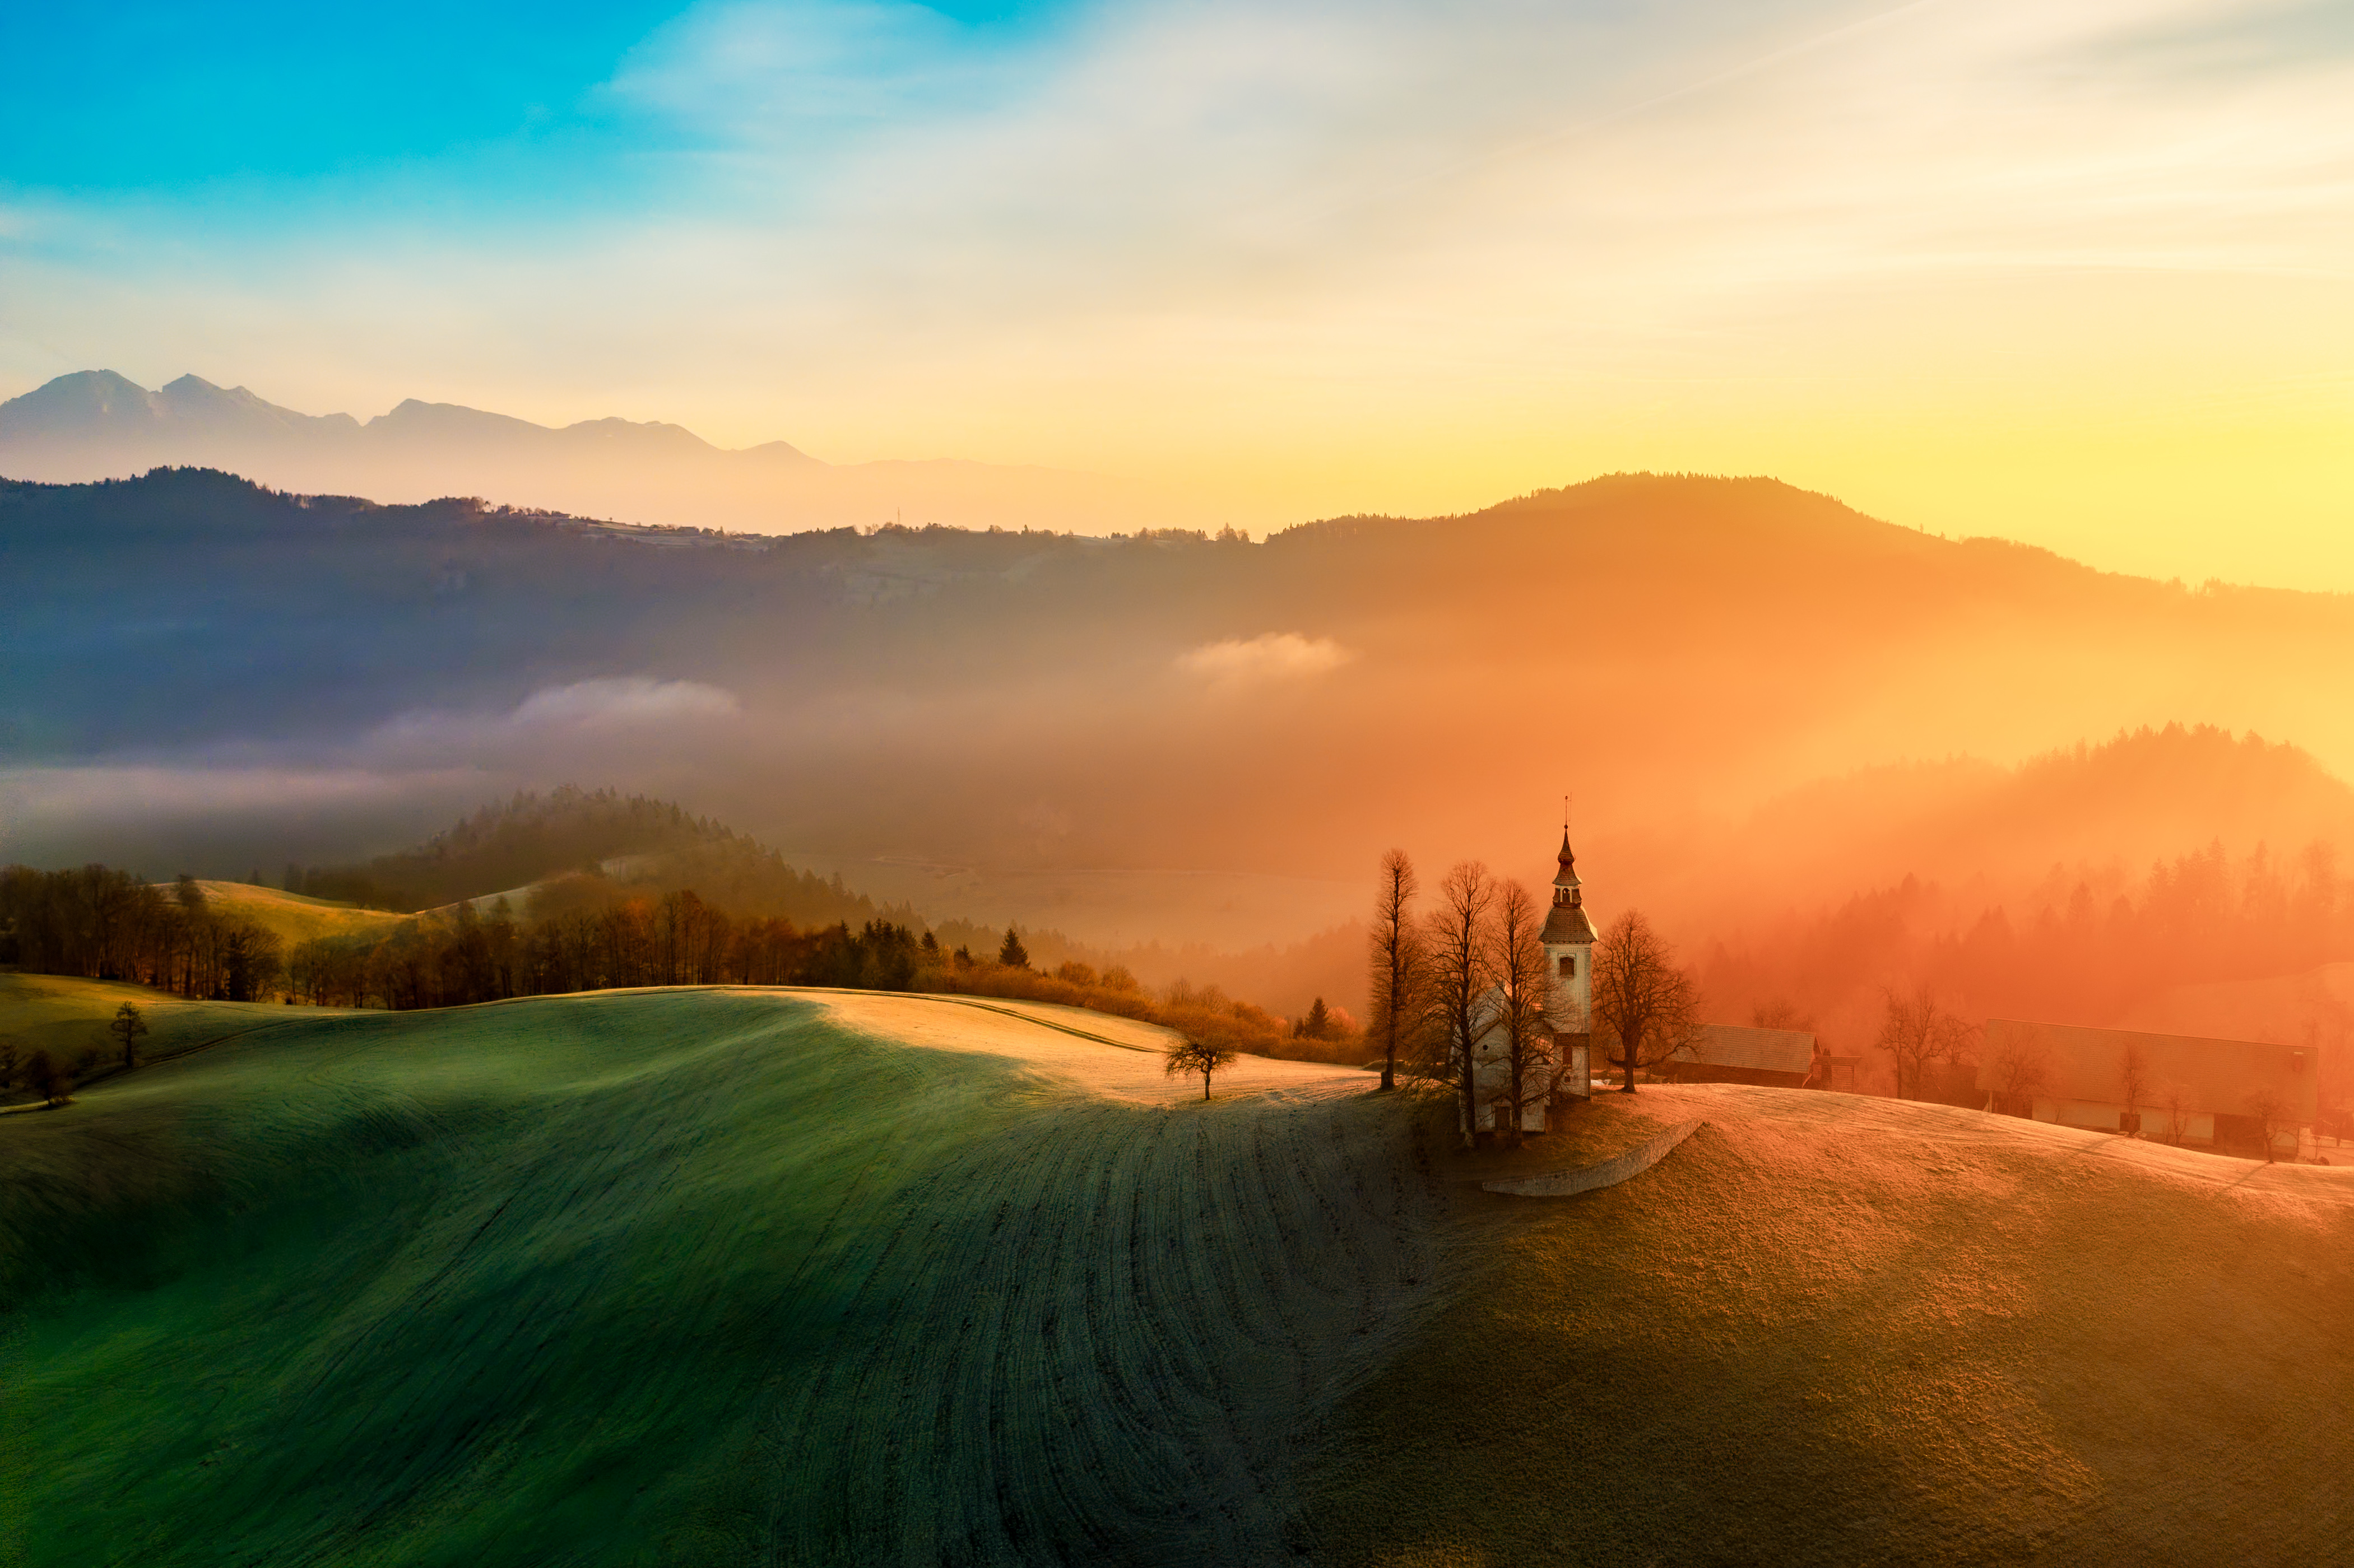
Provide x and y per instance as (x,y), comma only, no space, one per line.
(95,424)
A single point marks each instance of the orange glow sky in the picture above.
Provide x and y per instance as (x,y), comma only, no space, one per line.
(2076,275)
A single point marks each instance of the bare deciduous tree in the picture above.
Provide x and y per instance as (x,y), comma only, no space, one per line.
(1915,1030)
(2132,1086)
(1523,998)
(1203,1057)
(1781,1013)
(2020,1066)
(1643,1004)
(1459,948)
(1397,963)
(2172,1100)
(2272,1116)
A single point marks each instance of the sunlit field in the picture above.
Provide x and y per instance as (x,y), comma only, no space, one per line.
(718,1275)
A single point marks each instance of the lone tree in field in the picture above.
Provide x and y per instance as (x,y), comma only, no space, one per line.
(1643,1004)
(1459,951)
(1523,998)
(128,1026)
(1398,965)
(1011,953)
(1203,1056)
(1915,1030)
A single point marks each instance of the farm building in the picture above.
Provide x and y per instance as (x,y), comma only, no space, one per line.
(1727,1054)
(2218,1093)
(1568,938)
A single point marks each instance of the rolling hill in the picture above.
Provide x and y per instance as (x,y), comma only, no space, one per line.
(294,918)
(723,1275)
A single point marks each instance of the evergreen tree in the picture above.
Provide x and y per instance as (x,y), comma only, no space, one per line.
(1013,954)
(128,1026)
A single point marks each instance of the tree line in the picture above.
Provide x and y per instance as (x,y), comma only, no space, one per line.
(104,924)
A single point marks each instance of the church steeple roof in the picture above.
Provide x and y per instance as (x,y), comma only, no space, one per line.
(1567,922)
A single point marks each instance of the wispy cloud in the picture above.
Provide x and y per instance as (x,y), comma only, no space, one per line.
(595,711)
(1271,656)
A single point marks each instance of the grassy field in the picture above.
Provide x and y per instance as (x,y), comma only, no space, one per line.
(1836,1330)
(740,1276)
(681,1277)
(294,917)
(65,1016)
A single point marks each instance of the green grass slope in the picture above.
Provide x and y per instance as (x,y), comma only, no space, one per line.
(65,1016)
(1836,1330)
(294,917)
(685,1277)
(725,1276)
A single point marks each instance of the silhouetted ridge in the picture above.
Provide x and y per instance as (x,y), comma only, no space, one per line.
(594,836)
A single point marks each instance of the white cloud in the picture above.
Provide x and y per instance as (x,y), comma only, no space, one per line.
(628,699)
(1272,656)
(553,714)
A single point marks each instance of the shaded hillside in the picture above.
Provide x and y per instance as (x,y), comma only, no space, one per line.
(1832,1330)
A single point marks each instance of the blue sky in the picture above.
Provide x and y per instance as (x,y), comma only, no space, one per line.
(151,97)
(223,103)
(2077,273)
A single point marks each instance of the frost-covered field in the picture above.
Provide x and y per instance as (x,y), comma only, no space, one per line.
(829,1277)
(690,1276)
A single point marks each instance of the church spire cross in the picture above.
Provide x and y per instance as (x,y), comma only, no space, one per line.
(1564,882)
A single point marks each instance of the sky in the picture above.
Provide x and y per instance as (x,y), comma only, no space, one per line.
(2077,275)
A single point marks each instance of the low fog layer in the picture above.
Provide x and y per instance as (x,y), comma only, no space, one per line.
(1767,706)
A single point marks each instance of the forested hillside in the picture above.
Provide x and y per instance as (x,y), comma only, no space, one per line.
(591,838)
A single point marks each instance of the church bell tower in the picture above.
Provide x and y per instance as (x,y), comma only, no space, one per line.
(1569,949)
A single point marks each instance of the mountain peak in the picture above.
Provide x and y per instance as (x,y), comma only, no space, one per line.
(77,405)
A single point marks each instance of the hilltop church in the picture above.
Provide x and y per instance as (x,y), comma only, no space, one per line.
(1567,1079)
